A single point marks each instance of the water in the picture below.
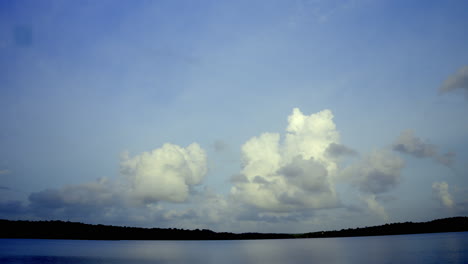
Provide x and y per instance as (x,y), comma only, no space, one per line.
(422,248)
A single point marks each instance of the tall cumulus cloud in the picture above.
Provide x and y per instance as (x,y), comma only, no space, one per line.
(293,173)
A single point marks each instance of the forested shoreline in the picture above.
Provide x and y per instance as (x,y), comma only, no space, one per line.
(75,230)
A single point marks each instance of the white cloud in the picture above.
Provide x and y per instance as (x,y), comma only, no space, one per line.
(166,173)
(458,80)
(292,174)
(440,190)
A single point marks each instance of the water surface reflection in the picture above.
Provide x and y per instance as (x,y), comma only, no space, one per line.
(422,248)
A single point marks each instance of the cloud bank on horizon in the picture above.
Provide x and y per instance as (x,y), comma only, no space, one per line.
(290,116)
(283,178)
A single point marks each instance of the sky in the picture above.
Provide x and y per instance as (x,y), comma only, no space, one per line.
(239,116)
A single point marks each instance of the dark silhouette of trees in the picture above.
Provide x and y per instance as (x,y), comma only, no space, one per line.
(454,224)
(73,230)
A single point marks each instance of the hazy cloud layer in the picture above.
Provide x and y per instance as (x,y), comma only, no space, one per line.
(293,173)
(446,159)
(5,188)
(441,191)
(11,208)
(91,199)
(457,81)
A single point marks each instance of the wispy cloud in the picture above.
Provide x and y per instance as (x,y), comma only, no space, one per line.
(441,191)
(456,81)
(410,144)
(338,150)
(320,11)
(5,188)
(376,173)
(446,159)
(5,172)
(220,146)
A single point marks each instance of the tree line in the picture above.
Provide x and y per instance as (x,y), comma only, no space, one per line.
(75,230)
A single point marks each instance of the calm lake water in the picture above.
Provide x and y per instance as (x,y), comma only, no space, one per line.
(423,248)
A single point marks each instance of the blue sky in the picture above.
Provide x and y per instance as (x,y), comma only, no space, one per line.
(181,113)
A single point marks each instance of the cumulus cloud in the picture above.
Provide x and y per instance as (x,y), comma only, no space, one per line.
(283,178)
(376,173)
(408,143)
(440,190)
(298,173)
(166,173)
(290,174)
(456,81)
(338,150)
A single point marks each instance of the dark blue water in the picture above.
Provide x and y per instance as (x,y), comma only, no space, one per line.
(423,248)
